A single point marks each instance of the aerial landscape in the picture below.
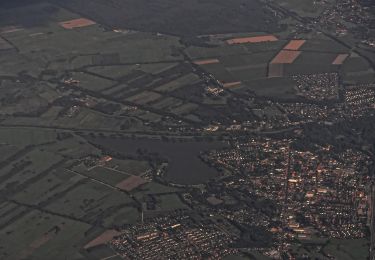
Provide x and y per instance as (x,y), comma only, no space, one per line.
(187,129)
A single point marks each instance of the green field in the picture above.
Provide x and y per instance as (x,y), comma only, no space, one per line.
(270,87)
(305,8)
(170,202)
(347,249)
(40,235)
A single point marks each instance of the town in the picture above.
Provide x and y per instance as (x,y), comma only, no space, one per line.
(191,129)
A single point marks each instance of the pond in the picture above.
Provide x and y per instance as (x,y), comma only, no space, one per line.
(185,166)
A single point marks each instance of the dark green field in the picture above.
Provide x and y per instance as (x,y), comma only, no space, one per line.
(178,17)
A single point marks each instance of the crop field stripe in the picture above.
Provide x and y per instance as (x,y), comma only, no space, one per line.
(131,183)
(204,62)
(254,39)
(294,45)
(286,57)
(232,84)
(10,29)
(340,59)
(105,237)
(77,23)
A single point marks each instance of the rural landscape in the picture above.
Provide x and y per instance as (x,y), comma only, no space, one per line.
(196,129)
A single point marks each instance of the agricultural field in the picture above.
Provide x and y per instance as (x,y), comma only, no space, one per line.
(179,17)
(285,87)
(40,234)
(156,121)
(346,249)
(246,63)
(55,195)
(169,202)
(90,70)
(305,8)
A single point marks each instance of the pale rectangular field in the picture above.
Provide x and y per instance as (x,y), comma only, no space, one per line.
(294,45)
(232,84)
(254,39)
(77,23)
(105,237)
(340,59)
(286,57)
(10,29)
(131,183)
(204,62)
